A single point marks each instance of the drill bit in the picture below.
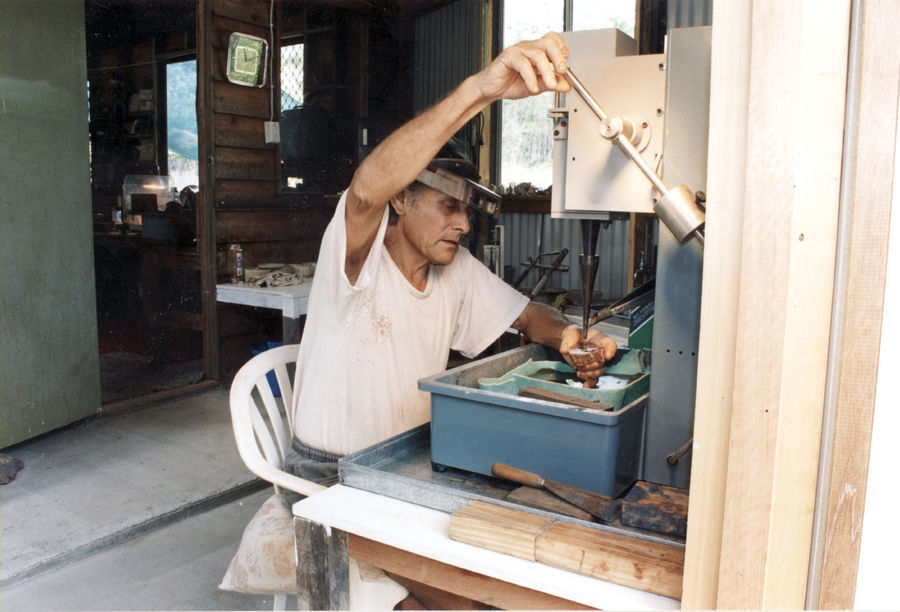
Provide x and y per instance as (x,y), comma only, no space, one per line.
(588,263)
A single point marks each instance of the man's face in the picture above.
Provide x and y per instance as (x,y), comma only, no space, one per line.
(434,223)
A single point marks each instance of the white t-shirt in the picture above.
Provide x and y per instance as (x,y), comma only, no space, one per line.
(365,346)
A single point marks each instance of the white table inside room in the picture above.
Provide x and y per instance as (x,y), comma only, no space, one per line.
(413,541)
(291,300)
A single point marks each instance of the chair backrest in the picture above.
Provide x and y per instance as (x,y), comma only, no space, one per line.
(261,421)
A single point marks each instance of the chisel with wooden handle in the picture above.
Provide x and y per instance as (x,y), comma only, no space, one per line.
(593,503)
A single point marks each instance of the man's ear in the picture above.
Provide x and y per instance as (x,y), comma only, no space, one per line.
(398,202)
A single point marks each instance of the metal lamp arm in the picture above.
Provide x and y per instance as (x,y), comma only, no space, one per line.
(676,208)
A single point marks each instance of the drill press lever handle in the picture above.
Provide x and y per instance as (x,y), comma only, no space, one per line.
(676,208)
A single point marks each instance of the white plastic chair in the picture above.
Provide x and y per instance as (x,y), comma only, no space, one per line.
(261,431)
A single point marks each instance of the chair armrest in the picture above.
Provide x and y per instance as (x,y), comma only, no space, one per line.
(284,479)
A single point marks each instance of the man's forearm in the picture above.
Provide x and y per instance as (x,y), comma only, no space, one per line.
(542,324)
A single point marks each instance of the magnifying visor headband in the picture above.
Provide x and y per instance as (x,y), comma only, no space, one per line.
(465,190)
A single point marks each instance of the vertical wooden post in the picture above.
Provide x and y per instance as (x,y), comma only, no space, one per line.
(774,193)
(798,60)
(206,208)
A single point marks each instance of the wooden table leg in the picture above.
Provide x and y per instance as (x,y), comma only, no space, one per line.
(323,581)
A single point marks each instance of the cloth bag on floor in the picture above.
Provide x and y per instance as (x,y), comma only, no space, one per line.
(265,563)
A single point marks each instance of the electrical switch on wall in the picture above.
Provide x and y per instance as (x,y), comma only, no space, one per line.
(273,132)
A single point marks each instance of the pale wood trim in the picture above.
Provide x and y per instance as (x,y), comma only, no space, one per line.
(780,215)
(867,261)
(729,123)
(798,61)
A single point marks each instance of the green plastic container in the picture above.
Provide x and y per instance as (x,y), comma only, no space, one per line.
(627,378)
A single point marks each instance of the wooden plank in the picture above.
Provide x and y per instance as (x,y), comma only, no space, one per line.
(640,564)
(229,188)
(287,200)
(238,131)
(787,263)
(247,164)
(649,566)
(272,225)
(223,27)
(490,591)
(234,99)
(867,261)
(247,11)
(498,528)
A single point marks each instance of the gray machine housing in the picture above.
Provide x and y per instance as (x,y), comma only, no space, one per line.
(593,179)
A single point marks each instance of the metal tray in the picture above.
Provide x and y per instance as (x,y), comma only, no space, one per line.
(401,468)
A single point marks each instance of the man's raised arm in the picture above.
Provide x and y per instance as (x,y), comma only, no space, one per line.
(524,69)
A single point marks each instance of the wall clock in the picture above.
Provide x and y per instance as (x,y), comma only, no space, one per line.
(246,63)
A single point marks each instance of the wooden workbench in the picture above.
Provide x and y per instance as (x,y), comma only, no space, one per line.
(412,541)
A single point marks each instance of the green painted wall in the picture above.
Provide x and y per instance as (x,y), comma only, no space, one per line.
(49,364)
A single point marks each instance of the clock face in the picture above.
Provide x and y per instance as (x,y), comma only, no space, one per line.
(246,60)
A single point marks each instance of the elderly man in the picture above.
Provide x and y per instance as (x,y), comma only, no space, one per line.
(393,292)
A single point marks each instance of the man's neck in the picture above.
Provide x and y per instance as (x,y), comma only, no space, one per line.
(409,260)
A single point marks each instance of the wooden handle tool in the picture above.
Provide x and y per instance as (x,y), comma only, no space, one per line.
(593,503)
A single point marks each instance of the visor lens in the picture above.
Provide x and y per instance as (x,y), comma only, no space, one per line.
(483,199)
(463,189)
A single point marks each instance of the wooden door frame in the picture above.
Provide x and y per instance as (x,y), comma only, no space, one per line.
(776,147)
(206,206)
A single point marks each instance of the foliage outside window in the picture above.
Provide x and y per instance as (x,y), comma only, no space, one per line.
(181,124)
(526,142)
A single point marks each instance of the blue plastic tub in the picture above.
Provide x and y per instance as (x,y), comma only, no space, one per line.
(472,428)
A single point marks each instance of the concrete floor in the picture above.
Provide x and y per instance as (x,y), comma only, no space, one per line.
(137,511)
